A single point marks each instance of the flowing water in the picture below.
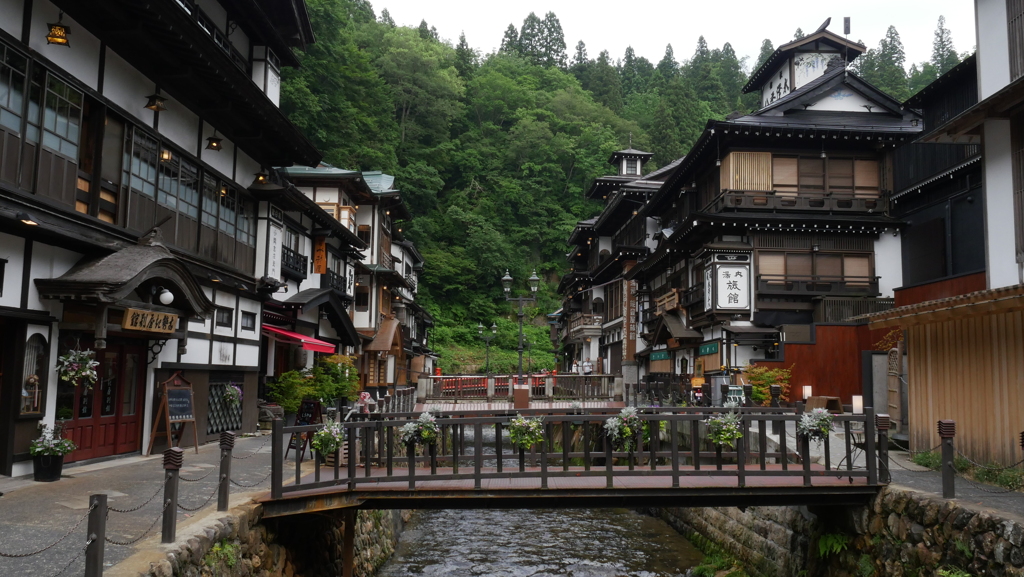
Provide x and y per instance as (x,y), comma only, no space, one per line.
(538,542)
(535,543)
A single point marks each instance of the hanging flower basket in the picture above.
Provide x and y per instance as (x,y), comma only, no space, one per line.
(524,432)
(232,395)
(724,429)
(77,367)
(816,424)
(328,438)
(622,429)
(422,431)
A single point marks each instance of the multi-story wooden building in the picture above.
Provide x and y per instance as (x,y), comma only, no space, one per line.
(136,141)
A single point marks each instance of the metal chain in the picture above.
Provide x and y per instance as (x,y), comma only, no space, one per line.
(146,532)
(255,451)
(912,453)
(208,499)
(199,479)
(986,467)
(979,487)
(75,558)
(51,545)
(907,469)
(258,483)
(136,508)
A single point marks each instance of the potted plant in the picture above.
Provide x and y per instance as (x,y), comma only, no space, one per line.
(77,366)
(232,395)
(525,433)
(422,431)
(622,429)
(48,453)
(724,429)
(816,424)
(328,439)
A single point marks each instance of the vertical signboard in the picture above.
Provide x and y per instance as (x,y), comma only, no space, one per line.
(320,255)
(708,293)
(629,307)
(733,286)
(274,241)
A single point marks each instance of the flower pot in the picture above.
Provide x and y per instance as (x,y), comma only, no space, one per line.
(47,468)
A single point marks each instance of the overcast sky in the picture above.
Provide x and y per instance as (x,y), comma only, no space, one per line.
(607,25)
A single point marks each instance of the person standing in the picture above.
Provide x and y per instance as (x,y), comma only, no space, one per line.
(588,369)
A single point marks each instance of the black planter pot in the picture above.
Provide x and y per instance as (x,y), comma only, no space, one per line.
(47,468)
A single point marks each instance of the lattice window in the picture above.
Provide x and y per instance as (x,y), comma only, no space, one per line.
(222,417)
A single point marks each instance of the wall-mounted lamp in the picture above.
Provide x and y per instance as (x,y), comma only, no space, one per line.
(807,392)
(213,277)
(155,103)
(214,143)
(165,155)
(165,296)
(858,404)
(815,248)
(914,122)
(58,33)
(262,177)
(26,219)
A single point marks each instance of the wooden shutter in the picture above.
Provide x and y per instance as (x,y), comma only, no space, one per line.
(784,175)
(856,270)
(812,175)
(829,266)
(840,176)
(865,178)
(771,266)
(749,171)
(798,264)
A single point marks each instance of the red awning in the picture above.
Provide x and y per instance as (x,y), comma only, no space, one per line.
(308,343)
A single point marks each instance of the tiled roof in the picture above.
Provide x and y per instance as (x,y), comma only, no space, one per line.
(988,301)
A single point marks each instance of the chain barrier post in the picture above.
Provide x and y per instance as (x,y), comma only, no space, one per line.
(883,423)
(776,392)
(97,534)
(705,391)
(227,443)
(276,459)
(173,459)
(947,431)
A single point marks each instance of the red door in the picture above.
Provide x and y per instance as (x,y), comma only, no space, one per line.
(106,415)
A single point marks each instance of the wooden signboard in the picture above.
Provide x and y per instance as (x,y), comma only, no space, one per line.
(320,255)
(176,406)
(149,321)
(310,413)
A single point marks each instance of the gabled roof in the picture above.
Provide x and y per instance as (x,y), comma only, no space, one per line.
(760,76)
(378,181)
(825,84)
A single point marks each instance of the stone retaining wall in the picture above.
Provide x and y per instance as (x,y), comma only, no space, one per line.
(903,533)
(242,544)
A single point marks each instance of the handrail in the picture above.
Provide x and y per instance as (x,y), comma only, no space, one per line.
(684,451)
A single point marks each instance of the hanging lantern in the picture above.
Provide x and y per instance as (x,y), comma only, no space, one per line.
(214,143)
(58,33)
(155,103)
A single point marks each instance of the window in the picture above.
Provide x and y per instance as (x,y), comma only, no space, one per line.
(364,233)
(228,210)
(141,162)
(362,298)
(12,87)
(248,321)
(178,185)
(613,300)
(840,176)
(224,317)
(34,376)
(246,233)
(62,117)
(777,267)
(211,200)
(292,239)
(631,166)
(812,174)
(785,179)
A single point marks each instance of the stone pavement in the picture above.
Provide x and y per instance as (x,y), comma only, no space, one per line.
(34,515)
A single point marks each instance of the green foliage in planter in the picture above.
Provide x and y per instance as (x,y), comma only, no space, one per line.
(224,552)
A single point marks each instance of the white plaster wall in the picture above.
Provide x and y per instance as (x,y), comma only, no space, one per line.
(993,48)
(845,99)
(81,57)
(179,125)
(216,12)
(169,354)
(309,192)
(245,169)
(808,66)
(202,326)
(888,263)
(197,352)
(11,12)
(1001,266)
(221,160)
(48,262)
(223,353)
(12,248)
(652,228)
(768,90)
(127,87)
(247,355)
(604,243)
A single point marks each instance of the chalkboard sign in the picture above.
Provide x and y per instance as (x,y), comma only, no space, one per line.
(175,407)
(310,413)
(179,405)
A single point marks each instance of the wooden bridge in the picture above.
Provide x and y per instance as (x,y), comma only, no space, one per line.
(576,466)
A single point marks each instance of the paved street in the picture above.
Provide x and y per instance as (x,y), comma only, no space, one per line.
(34,515)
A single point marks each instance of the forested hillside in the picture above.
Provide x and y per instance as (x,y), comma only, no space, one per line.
(494,152)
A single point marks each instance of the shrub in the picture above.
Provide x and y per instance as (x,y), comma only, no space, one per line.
(223,552)
(932,460)
(832,543)
(761,378)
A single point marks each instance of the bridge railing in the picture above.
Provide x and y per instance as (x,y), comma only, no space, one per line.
(575,445)
(572,387)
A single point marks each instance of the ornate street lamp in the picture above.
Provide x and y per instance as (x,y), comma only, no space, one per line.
(487,338)
(534,283)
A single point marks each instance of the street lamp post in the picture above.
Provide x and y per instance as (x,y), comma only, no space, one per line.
(534,283)
(487,340)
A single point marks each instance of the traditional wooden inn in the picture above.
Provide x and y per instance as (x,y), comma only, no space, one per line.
(140,219)
(962,308)
(772,232)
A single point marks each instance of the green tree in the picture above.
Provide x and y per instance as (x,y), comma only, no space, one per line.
(552,41)
(465,57)
(678,121)
(944,56)
(427,33)
(799,34)
(531,41)
(581,65)
(386,19)
(667,68)
(884,66)
(731,75)
(510,42)
(604,83)
(767,49)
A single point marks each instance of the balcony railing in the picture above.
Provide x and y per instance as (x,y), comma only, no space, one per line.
(739,200)
(293,264)
(816,285)
(386,260)
(579,321)
(839,309)
(691,296)
(335,281)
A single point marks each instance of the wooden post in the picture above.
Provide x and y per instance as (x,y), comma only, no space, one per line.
(97,532)
(478,454)
(869,445)
(882,423)
(947,431)
(776,392)
(173,459)
(276,458)
(804,443)
(673,431)
(227,443)
(348,542)
(411,451)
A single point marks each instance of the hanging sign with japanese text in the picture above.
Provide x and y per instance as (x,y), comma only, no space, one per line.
(149,321)
(320,255)
(733,286)
(707,288)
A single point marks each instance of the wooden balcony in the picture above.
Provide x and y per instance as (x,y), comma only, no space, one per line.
(386,260)
(585,325)
(293,264)
(816,285)
(335,281)
(840,309)
(809,202)
(693,296)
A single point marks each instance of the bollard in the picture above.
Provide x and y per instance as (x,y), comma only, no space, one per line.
(947,430)
(869,446)
(724,390)
(97,533)
(173,459)
(748,391)
(705,390)
(277,459)
(227,443)
(883,423)
(776,392)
